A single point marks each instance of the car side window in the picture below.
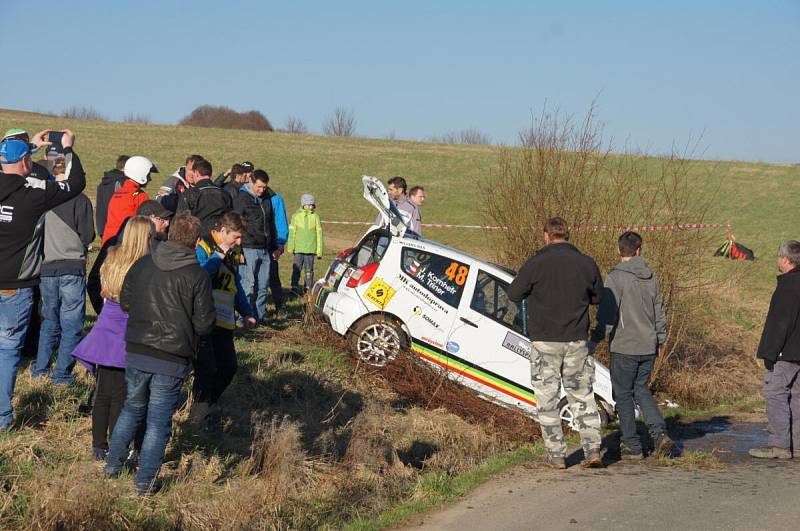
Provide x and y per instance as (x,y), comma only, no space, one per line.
(371,249)
(491,299)
(441,276)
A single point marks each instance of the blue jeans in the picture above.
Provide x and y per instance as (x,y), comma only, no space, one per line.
(255,278)
(15,315)
(630,382)
(63,312)
(152,399)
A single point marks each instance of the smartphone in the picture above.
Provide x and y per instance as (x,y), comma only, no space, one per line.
(54,137)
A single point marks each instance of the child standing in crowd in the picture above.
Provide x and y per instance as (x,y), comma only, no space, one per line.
(103,350)
(305,241)
(216,362)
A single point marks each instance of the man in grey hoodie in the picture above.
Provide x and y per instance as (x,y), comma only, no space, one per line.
(632,315)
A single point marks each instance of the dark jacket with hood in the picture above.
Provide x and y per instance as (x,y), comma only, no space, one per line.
(23,203)
(780,340)
(112,180)
(632,313)
(167,296)
(558,283)
(206,201)
(259,220)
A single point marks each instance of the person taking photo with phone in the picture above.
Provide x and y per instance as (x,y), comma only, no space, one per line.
(23,202)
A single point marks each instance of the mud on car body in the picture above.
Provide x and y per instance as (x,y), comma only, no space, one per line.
(395,290)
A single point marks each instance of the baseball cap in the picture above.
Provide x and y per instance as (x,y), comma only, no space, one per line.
(247,165)
(152,207)
(15,131)
(13,150)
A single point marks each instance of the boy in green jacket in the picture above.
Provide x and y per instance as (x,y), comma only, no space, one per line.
(305,241)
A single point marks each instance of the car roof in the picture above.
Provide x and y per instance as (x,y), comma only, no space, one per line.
(495,269)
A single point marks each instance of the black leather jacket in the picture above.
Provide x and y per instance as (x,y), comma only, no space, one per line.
(259,220)
(168,299)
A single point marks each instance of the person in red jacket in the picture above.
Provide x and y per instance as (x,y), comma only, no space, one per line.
(130,195)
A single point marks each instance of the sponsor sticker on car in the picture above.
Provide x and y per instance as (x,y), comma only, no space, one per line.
(379,293)
(518,345)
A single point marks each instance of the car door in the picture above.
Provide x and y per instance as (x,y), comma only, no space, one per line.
(489,336)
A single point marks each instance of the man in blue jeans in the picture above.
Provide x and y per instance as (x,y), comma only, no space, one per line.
(632,315)
(24,199)
(259,242)
(167,296)
(68,232)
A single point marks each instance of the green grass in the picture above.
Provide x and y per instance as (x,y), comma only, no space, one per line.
(435,489)
(757,199)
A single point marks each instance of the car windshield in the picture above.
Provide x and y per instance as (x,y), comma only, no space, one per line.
(491,299)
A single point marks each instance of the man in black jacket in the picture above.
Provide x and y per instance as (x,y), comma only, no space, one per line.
(167,296)
(780,350)
(112,180)
(204,200)
(260,241)
(559,283)
(23,203)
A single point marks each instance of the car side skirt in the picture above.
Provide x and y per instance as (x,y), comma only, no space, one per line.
(460,366)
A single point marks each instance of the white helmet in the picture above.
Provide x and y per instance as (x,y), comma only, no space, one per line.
(138,168)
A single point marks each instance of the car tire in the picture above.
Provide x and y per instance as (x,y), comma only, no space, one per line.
(377,340)
(568,421)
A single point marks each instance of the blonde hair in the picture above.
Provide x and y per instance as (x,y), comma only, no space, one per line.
(135,244)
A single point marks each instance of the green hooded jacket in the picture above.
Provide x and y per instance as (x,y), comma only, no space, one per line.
(305,233)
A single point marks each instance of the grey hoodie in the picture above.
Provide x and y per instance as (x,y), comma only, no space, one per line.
(631,313)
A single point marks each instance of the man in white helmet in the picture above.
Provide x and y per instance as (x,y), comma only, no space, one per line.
(130,195)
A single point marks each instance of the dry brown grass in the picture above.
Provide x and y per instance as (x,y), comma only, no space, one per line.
(306,438)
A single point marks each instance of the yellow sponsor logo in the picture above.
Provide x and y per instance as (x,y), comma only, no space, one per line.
(379,293)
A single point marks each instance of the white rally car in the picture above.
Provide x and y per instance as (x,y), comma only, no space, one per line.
(395,290)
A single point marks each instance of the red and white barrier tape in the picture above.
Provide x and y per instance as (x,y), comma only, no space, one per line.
(588,228)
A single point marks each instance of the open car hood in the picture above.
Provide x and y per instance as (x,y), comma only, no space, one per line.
(375,193)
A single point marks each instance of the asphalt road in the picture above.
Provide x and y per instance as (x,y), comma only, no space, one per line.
(744,494)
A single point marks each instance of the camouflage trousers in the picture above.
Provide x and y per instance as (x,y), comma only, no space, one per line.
(554,364)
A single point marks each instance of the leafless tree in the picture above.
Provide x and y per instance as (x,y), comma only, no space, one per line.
(295,125)
(341,123)
(136,118)
(471,135)
(82,112)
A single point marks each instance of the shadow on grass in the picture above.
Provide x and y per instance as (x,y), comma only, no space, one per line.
(323,411)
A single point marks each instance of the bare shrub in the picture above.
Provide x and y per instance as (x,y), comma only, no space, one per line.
(341,123)
(226,118)
(295,125)
(567,169)
(136,118)
(471,135)
(82,112)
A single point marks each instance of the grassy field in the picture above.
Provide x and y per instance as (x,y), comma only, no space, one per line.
(305,438)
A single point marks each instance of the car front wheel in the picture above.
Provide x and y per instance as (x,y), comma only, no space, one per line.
(568,419)
(377,340)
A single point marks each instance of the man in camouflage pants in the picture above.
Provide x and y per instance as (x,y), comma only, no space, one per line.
(559,283)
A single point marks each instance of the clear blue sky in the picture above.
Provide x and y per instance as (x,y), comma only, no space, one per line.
(663,70)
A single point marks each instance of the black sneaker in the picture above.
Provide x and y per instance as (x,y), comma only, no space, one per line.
(99,454)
